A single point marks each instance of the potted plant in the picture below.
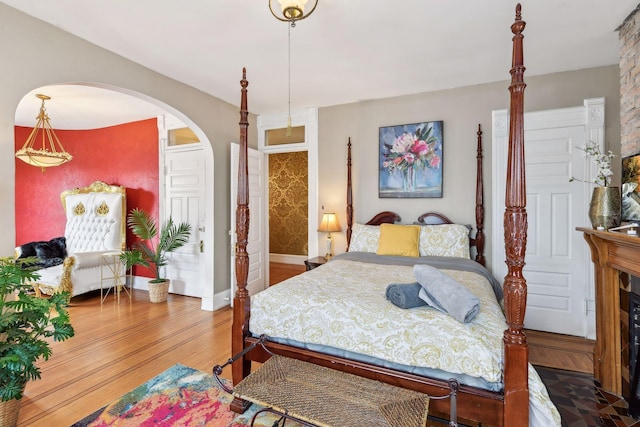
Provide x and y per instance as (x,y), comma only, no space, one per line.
(151,253)
(26,322)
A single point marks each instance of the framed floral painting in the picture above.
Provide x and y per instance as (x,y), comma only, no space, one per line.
(410,160)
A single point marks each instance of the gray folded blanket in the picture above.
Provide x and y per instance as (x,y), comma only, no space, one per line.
(405,295)
(445,294)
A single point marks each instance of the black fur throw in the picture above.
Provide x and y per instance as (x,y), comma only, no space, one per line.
(29,249)
(49,253)
(61,244)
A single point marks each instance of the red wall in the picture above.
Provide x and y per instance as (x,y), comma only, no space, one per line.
(124,155)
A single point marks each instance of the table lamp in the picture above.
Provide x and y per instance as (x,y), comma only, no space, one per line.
(329,224)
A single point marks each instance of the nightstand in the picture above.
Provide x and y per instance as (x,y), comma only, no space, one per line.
(312,263)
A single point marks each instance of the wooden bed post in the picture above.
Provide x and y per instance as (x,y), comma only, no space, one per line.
(349,195)
(241,302)
(479,203)
(516,351)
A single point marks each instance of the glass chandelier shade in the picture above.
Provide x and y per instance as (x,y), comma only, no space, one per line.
(292,10)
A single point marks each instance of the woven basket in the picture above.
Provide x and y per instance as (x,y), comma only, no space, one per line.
(9,413)
(158,291)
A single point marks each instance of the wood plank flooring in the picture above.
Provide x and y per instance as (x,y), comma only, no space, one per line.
(279,271)
(561,351)
(120,346)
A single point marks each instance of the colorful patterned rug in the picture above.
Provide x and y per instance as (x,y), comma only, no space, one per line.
(180,396)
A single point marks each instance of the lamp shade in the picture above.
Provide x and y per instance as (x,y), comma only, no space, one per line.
(291,10)
(329,223)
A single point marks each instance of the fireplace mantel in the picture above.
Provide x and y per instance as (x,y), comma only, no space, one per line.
(612,252)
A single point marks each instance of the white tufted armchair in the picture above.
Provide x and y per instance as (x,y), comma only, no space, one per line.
(95,226)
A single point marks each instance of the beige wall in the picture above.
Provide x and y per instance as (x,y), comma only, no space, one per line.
(28,64)
(35,54)
(461,109)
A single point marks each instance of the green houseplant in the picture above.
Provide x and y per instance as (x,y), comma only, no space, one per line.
(26,324)
(151,253)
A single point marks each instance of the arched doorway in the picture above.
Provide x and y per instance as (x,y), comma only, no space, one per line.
(82,107)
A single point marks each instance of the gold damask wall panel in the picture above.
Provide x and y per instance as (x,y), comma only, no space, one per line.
(288,203)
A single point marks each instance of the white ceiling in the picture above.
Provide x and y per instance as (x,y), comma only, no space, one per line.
(347,51)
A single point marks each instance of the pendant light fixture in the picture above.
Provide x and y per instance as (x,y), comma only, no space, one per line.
(288,132)
(43,148)
(291,11)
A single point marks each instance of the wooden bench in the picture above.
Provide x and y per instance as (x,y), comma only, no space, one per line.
(315,395)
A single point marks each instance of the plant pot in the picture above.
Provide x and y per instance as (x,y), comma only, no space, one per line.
(158,291)
(9,412)
(604,209)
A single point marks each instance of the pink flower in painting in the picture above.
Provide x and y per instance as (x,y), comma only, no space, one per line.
(403,143)
(420,148)
(412,150)
(409,158)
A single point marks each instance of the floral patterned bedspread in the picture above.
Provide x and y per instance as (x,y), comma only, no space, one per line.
(342,304)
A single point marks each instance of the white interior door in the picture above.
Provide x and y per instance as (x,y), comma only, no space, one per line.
(258,278)
(184,202)
(558,269)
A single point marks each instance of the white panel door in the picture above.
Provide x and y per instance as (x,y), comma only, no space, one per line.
(258,278)
(556,286)
(184,202)
(558,267)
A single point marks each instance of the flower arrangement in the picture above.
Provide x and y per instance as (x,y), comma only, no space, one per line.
(417,150)
(602,161)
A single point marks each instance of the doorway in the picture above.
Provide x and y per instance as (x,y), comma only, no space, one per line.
(292,157)
(561,293)
(99,106)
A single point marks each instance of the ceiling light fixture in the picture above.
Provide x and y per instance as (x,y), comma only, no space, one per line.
(51,152)
(292,10)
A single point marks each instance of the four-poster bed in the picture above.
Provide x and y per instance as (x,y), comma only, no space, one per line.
(507,401)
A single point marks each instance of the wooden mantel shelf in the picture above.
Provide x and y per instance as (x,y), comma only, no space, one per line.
(612,252)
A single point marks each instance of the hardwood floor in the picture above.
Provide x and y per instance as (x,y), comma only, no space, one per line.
(120,346)
(560,351)
(279,271)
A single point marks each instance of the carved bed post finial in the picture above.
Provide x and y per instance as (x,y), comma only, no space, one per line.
(479,203)
(516,352)
(241,302)
(349,195)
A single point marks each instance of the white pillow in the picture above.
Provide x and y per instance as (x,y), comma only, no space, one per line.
(364,238)
(444,240)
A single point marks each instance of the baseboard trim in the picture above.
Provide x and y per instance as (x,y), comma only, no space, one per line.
(288,259)
(207,304)
(221,299)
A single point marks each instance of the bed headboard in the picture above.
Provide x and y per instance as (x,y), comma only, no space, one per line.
(96,218)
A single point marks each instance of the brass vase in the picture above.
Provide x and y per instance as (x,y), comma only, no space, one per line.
(604,209)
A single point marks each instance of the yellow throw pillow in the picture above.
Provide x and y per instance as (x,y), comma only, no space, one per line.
(399,240)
